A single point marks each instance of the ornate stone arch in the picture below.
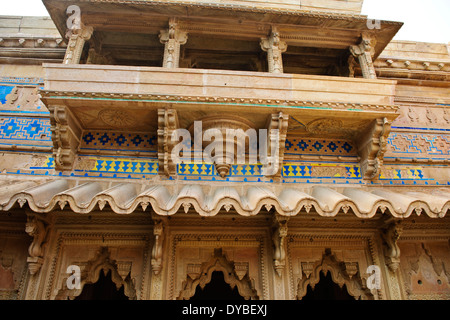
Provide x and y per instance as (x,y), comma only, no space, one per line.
(342,273)
(90,273)
(235,274)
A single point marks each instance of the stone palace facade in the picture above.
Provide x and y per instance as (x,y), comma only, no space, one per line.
(94,204)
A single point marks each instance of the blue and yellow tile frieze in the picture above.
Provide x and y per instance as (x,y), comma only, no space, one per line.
(118,141)
(117,166)
(319,147)
(289,170)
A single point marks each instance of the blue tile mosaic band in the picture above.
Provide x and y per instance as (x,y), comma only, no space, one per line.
(25,128)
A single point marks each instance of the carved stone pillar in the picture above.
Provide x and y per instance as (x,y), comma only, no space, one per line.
(274,48)
(172,39)
(77,39)
(364,53)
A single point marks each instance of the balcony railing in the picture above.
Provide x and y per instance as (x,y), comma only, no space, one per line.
(199,83)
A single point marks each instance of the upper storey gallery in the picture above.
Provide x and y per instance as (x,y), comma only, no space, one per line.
(327,37)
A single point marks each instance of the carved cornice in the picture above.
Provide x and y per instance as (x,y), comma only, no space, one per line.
(211,100)
(247,201)
(246,8)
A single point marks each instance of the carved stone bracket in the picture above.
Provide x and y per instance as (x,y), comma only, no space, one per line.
(372,146)
(364,52)
(172,39)
(157,251)
(277,130)
(77,39)
(390,235)
(38,228)
(279,233)
(274,48)
(66,135)
(167,124)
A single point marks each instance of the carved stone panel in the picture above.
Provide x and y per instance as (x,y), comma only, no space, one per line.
(347,258)
(425,266)
(194,257)
(127,256)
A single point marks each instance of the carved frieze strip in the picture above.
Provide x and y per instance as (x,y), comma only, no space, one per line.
(246,8)
(218,243)
(95,235)
(211,100)
(14,41)
(412,64)
(423,115)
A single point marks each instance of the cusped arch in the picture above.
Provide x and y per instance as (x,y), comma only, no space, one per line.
(91,274)
(341,273)
(233,277)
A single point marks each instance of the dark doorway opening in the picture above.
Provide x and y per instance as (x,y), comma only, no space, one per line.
(103,289)
(326,289)
(217,289)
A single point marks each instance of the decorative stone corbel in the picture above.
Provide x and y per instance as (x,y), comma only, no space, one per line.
(66,135)
(167,124)
(372,146)
(364,52)
(77,39)
(274,48)
(279,233)
(390,235)
(172,39)
(277,126)
(157,252)
(38,228)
